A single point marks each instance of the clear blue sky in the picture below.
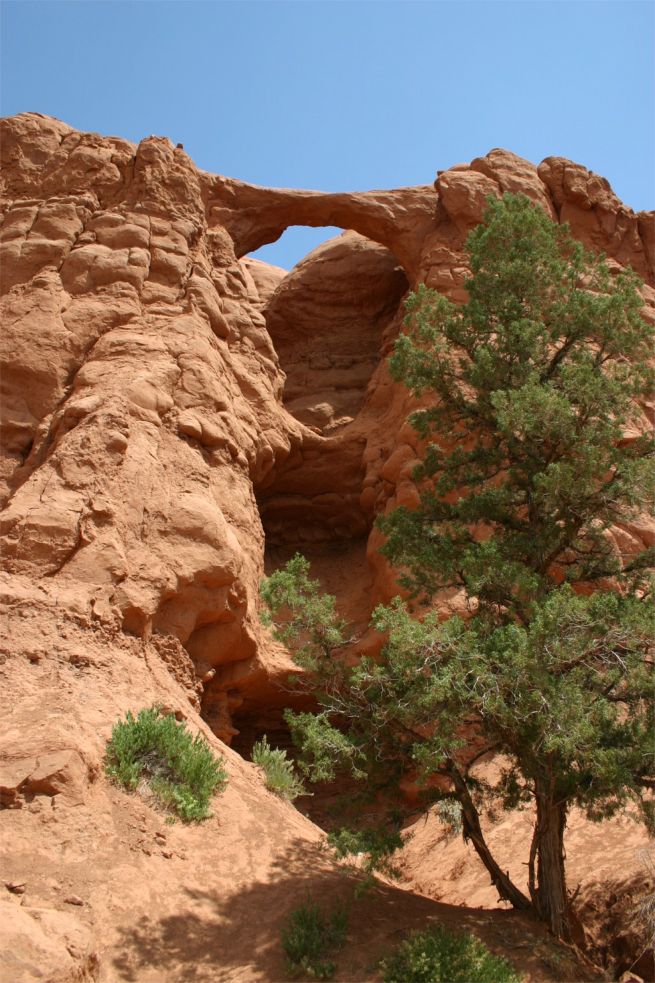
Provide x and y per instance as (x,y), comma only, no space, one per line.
(347,95)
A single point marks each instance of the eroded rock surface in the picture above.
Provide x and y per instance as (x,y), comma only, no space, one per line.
(161,394)
(166,402)
(327,320)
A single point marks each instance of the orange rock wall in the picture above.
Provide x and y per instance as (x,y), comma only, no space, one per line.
(146,425)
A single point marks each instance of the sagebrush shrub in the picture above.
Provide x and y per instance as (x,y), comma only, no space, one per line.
(441,956)
(450,814)
(310,938)
(376,845)
(280,774)
(180,770)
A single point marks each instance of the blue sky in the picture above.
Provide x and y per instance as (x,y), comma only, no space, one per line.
(342,95)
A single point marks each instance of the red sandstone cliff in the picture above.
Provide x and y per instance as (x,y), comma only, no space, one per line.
(171,411)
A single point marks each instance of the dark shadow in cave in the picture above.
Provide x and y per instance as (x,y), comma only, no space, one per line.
(343,571)
(331,320)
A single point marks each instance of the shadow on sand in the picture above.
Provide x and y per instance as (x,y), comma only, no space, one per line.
(227,938)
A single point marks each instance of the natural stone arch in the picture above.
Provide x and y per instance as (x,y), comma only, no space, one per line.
(254,217)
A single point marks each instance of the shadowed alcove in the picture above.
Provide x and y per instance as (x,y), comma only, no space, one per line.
(331,320)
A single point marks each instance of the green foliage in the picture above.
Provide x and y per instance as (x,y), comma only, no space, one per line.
(280,774)
(324,748)
(450,814)
(532,385)
(310,938)
(440,956)
(312,624)
(376,845)
(534,382)
(180,770)
(552,694)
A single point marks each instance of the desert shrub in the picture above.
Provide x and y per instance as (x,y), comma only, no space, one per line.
(311,937)
(180,770)
(376,845)
(450,814)
(280,774)
(440,956)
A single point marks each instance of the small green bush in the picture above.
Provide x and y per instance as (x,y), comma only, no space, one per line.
(377,845)
(440,956)
(180,770)
(450,814)
(310,937)
(281,777)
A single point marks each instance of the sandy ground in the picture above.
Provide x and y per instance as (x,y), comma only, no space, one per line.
(97,886)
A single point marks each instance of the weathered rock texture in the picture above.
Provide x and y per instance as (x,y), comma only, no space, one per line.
(167,403)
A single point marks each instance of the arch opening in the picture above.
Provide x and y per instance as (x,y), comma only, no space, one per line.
(295,243)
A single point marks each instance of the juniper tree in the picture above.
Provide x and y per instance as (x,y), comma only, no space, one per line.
(528,393)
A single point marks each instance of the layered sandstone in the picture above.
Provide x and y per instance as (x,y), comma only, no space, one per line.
(171,408)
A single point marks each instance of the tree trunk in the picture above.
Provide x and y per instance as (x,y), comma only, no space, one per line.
(501,880)
(550,896)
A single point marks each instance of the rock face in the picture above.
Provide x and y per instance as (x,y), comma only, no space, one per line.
(169,404)
(147,425)
(327,320)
